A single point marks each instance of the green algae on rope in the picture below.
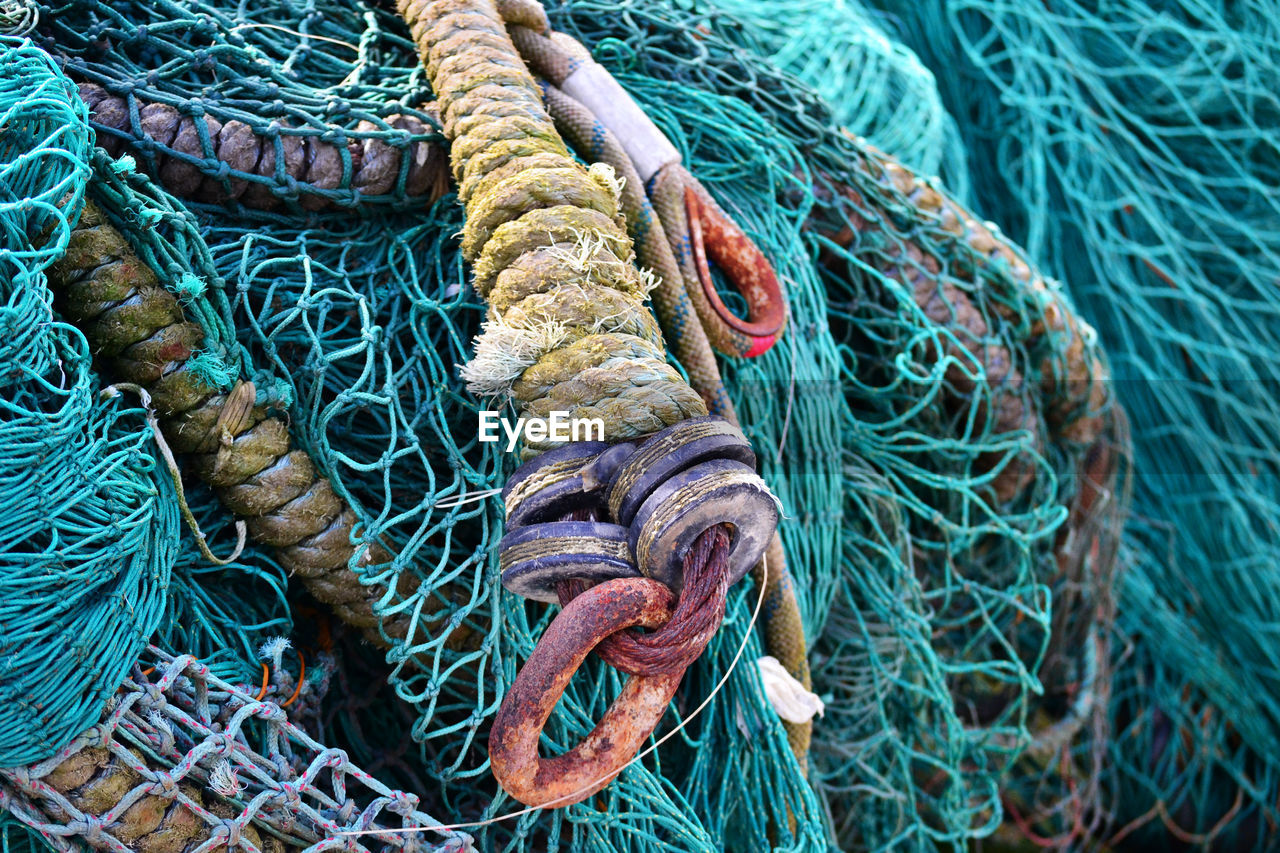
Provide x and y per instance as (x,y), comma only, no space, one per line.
(139,332)
(534,211)
(669,205)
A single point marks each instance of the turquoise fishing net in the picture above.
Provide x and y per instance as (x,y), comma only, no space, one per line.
(1132,148)
(933,600)
(929,633)
(874,85)
(88,524)
(365,320)
(362,320)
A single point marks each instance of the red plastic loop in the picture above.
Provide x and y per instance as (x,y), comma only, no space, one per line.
(714,234)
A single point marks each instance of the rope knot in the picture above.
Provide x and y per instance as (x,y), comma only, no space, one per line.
(163,784)
(93,830)
(231,830)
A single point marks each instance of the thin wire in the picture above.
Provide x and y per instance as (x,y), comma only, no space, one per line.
(746,638)
(171,463)
(478,496)
(294,33)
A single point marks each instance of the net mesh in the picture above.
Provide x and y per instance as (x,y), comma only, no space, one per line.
(88,529)
(874,85)
(1130,148)
(235,772)
(935,421)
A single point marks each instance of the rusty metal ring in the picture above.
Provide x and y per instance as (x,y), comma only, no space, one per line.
(712,233)
(594,763)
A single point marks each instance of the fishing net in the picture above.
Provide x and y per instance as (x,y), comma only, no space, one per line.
(874,85)
(235,770)
(89,525)
(362,319)
(1132,149)
(960,459)
(938,422)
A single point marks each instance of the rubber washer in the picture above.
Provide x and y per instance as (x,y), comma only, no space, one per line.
(550,485)
(668,452)
(679,510)
(535,558)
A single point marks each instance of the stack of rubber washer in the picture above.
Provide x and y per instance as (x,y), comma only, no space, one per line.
(651,499)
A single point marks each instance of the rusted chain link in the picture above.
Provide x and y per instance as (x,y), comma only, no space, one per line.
(713,234)
(694,483)
(695,620)
(611,494)
(683,281)
(599,618)
(566,332)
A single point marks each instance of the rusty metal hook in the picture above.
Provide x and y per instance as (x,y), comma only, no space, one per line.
(592,764)
(713,233)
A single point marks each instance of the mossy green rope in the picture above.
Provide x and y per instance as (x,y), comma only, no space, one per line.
(530,198)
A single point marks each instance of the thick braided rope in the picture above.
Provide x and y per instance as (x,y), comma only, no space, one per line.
(138,330)
(1073,376)
(548,245)
(556,56)
(680,324)
(783,624)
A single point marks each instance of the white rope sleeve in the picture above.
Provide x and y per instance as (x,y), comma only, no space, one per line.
(591,85)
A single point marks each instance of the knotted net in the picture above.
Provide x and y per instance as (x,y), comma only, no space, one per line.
(930,422)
